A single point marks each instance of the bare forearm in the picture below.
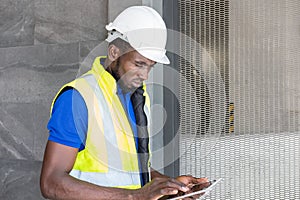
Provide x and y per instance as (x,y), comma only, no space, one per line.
(56,183)
(67,187)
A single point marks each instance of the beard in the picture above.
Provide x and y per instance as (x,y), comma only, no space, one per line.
(115,72)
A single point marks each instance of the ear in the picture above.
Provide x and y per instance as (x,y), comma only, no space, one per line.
(113,53)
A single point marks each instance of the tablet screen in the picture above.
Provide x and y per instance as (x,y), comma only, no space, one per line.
(197,190)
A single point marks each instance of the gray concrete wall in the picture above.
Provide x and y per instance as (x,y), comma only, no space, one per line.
(41,45)
(116,7)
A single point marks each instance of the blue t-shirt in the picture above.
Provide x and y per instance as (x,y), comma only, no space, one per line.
(69,119)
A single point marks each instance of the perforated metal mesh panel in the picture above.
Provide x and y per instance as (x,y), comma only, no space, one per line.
(240,96)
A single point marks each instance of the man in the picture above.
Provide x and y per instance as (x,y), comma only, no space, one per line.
(98,143)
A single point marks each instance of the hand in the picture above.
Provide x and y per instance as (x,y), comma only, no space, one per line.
(190,181)
(159,187)
(195,184)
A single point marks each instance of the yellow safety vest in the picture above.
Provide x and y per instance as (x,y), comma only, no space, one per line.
(110,157)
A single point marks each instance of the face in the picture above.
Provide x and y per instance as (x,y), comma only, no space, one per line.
(133,69)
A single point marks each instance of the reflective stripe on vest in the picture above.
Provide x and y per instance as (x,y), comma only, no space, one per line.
(109,157)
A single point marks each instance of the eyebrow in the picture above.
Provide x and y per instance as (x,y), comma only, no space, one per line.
(143,63)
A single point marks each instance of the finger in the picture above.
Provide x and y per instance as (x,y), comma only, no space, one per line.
(194,180)
(173,183)
(202,186)
(187,179)
(196,196)
(188,198)
(202,180)
(168,191)
(168,186)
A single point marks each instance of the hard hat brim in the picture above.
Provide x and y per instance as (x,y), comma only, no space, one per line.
(154,55)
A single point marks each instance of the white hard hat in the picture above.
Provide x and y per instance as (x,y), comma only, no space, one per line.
(144,29)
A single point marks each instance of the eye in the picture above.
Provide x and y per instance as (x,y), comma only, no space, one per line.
(139,65)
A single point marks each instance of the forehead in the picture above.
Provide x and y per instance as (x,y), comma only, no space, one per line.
(135,56)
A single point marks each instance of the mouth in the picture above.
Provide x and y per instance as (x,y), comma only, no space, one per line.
(137,83)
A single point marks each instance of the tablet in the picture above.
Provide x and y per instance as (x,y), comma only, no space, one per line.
(205,191)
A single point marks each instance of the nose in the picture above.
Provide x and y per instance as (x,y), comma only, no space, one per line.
(143,73)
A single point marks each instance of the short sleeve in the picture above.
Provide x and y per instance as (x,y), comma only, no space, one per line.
(68,122)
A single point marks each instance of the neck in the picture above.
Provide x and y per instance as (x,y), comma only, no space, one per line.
(111,67)
(107,63)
